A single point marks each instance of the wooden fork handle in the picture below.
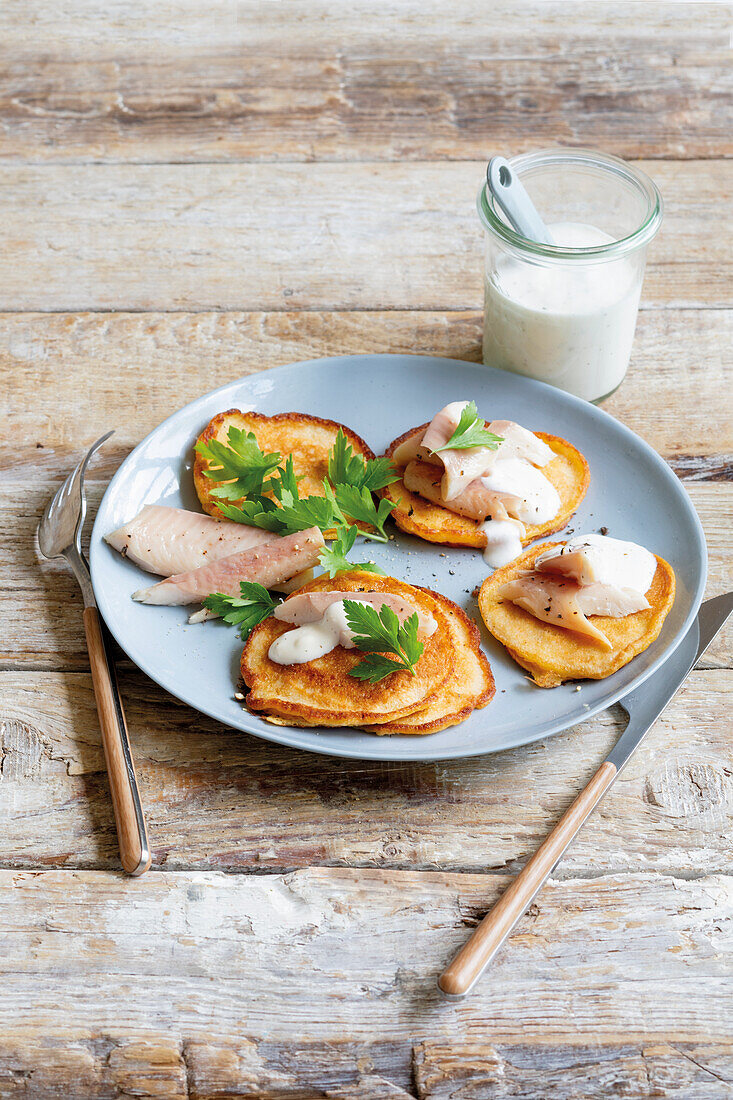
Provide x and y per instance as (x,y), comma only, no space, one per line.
(468,964)
(131,830)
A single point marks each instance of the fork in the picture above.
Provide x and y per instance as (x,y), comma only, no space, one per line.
(59,535)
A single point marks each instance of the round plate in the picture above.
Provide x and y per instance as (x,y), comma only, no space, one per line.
(632,492)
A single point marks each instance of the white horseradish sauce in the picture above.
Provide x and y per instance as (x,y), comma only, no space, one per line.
(317,638)
(523,494)
(312,640)
(503,541)
(570,324)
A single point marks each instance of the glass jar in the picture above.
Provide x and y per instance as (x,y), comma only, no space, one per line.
(566,313)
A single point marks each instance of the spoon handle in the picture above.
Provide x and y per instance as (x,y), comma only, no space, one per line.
(514,202)
(131,830)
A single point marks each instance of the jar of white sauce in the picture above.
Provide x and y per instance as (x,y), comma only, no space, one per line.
(565,313)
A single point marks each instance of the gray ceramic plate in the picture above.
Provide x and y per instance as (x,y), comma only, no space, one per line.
(632,492)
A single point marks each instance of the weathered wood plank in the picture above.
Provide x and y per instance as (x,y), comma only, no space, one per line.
(323,981)
(318,236)
(443,1070)
(139,368)
(396,81)
(41,616)
(224,800)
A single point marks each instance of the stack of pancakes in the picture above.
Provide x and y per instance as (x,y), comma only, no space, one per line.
(452,676)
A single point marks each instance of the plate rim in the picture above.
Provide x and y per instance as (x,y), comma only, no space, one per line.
(294,738)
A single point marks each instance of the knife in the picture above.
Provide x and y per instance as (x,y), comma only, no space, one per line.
(643,706)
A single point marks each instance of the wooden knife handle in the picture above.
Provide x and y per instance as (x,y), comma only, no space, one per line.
(131,830)
(468,964)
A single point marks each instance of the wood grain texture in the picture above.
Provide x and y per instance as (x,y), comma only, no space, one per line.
(488,938)
(259,183)
(131,834)
(142,367)
(222,800)
(183,1003)
(391,81)
(443,1070)
(247,236)
(41,621)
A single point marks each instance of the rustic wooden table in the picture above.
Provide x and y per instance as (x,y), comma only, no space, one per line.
(192,192)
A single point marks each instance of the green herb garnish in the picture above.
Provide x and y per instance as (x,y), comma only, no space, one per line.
(333,558)
(377,633)
(250,474)
(240,463)
(285,519)
(471,432)
(300,513)
(255,604)
(259,512)
(359,504)
(285,486)
(346,468)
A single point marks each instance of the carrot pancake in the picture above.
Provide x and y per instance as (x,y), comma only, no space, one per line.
(321,692)
(469,687)
(568,472)
(307,438)
(553,654)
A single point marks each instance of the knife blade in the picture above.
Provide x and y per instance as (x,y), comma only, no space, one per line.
(644,705)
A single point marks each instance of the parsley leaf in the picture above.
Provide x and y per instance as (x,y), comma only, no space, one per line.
(285,486)
(471,432)
(260,512)
(240,462)
(359,505)
(343,465)
(377,633)
(346,468)
(379,472)
(333,558)
(246,471)
(376,667)
(305,513)
(296,515)
(255,604)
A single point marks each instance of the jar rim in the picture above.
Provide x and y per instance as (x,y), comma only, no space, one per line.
(583,158)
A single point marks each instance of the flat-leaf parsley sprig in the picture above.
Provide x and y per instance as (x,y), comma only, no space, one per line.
(346,468)
(359,505)
(294,513)
(470,432)
(333,558)
(250,474)
(240,464)
(245,611)
(378,633)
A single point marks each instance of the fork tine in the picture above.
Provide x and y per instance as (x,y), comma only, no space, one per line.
(79,469)
(94,448)
(63,509)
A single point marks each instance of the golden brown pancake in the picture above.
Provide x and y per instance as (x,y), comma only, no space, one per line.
(321,692)
(307,438)
(568,472)
(469,687)
(553,654)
